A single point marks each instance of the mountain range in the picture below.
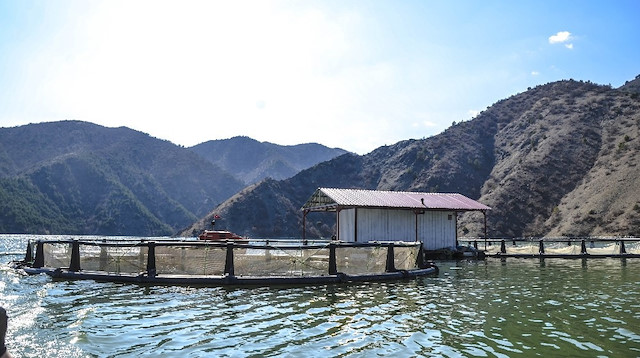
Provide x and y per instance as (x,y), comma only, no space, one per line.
(73,177)
(251,161)
(559,159)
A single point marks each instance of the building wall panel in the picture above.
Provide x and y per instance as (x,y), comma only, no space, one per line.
(436,229)
(346,227)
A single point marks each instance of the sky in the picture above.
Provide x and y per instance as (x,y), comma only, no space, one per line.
(351,74)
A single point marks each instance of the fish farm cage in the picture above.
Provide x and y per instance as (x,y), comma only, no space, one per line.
(574,247)
(196,262)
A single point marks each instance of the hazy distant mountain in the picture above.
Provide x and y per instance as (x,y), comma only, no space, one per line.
(80,178)
(252,161)
(558,159)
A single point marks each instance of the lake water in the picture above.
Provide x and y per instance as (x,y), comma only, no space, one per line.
(491,308)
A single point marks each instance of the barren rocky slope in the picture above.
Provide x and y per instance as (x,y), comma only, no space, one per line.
(558,159)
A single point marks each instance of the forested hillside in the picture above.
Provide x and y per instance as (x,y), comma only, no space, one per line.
(75,177)
(558,159)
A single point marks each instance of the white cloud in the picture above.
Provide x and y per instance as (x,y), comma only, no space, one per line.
(535,73)
(560,37)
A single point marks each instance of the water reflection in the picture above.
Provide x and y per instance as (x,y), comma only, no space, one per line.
(512,307)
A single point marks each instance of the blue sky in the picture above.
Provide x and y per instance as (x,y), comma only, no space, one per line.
(349,74)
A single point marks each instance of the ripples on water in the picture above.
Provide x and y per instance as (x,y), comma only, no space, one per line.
(520,307)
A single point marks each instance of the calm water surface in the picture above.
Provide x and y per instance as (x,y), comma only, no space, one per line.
(492,308)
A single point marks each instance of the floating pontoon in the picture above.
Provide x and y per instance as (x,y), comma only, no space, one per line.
(196,262)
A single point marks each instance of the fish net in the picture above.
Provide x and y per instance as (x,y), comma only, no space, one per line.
(57,254)
(632,247)
(204,259)
(113,259)
(361,260)
(190,260)
(560,247)
(272,261)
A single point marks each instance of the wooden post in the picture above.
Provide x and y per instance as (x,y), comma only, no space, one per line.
(355,224)
(583,248)
(39,260)
(541,247)
(420,259)
(416,227)
(503,249)
(304,224)
(455,213)
(74,265)
(338,223)
(622,248)
(267,252)
(332,259)
(151,259)
(103,258)
(484,214)
(390,267)
(228,264)
(28,256)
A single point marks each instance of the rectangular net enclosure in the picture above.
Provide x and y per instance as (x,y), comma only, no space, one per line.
(203,260)
(57,254)
(405,257)
(522,248)
(361,260)
(562,248)
(632,247)
(222,260)
(113,259)
(270,261)
(558,246)
(489,246)
(602,247)
(209,263)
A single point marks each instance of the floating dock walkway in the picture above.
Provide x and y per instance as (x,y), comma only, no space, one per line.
(195,262)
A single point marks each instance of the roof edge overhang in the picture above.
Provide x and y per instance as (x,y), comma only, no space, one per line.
(334,207)
(333,199)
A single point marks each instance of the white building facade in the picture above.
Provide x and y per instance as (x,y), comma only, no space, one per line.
(373,215)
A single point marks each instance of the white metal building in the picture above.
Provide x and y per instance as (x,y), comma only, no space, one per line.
(374,215)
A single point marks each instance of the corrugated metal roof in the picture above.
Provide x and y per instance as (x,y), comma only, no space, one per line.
(331,198)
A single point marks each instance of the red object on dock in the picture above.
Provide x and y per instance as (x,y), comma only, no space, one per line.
(221,235)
